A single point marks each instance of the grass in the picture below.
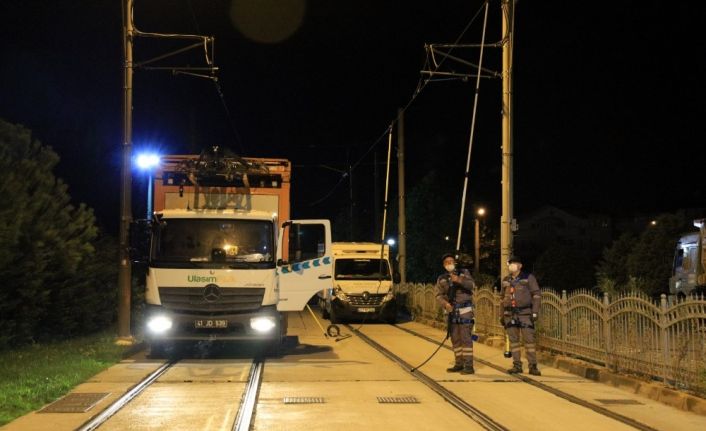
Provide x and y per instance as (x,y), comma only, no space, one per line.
(35,375)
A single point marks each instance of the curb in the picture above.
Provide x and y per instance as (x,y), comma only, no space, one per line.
(653,391)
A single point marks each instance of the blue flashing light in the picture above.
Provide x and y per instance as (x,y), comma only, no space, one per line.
(147,161)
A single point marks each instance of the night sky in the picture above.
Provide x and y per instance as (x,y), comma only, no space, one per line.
(609,96)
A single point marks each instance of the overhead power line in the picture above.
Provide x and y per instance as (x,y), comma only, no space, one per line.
(421,85)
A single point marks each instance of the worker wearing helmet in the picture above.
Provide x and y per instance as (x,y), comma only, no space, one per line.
(454,292)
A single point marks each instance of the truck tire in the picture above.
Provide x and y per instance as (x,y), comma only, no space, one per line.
(324,311)
(160,350)
(333,316)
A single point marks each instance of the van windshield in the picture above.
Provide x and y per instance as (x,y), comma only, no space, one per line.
(208,242)
(361,269)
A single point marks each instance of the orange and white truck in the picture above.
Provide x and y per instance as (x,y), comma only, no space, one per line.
(225,261)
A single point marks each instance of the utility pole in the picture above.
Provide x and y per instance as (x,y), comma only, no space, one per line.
(376,194)
(129,34)
(401,218)
(124,269)
(506,222)
(350,194)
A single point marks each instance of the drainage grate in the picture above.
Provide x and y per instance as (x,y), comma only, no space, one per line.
(303,400)
(625,402)
(398,400)
(75,403)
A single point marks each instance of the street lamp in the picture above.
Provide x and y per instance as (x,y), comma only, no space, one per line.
(147,162)
(391,242)
(476,262)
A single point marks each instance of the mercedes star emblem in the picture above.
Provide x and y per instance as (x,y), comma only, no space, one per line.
(211,293)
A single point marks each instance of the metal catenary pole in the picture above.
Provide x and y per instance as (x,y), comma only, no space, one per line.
(507,7)
(124,270)
(401,219)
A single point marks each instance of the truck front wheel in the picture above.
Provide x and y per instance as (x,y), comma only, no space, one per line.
(324,311)
(333,315)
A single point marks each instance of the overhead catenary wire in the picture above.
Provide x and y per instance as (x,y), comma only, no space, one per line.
(217,84)
(470,139)
(421,85)
(384,221)
(468,164)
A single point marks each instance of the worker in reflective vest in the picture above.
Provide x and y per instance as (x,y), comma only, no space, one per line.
(521,300)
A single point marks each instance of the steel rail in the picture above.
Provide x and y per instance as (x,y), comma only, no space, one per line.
(118,404)
(244,418)
(554,391)
(472,412)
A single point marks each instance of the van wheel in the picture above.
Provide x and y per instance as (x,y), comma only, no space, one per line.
(391,318)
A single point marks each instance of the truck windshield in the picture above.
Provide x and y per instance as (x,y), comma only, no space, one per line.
(205,242)
(361,269)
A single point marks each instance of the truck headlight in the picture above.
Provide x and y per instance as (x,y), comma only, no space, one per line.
(263,323)
(389,297)
(159,324)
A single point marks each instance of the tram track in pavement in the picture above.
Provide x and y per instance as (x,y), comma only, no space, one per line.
(554,391)
(464,407)
(243,419)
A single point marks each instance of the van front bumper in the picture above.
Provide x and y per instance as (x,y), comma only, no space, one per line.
(356,307)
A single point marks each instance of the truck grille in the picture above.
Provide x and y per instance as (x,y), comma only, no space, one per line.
(362,301)
(231,300)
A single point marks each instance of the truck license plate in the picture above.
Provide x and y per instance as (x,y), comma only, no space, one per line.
(366,310)
(211,323)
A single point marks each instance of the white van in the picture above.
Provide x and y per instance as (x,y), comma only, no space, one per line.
(362,284)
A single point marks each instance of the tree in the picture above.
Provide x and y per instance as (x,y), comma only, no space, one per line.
(643,262)
(611,271)
(650,260)
(432,216)
(564,267)
(45,243)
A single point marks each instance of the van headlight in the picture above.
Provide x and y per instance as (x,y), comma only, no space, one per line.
(340,294)
(263,323)
(159,324)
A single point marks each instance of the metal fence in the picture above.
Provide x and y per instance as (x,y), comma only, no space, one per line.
(664,340)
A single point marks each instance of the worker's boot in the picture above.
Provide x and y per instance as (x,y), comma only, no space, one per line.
(455,369)
(533,370)
(516,368)
(468,369)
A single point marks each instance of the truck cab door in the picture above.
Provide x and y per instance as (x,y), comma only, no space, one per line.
(304,262)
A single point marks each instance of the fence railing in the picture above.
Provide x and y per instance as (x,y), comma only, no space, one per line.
(630,333)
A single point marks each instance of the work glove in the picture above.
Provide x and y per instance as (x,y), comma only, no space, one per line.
(534,317)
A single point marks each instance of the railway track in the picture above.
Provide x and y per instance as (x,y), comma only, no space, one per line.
(464,407)
(243,419)
(554,391)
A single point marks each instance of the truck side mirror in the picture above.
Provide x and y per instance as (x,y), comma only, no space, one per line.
(396,278)
(140,235)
